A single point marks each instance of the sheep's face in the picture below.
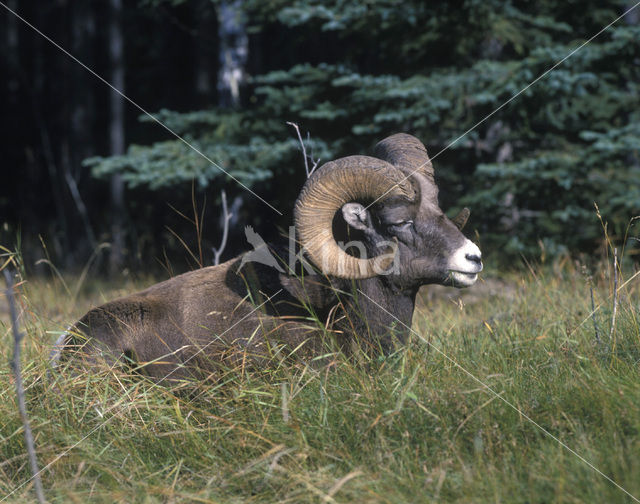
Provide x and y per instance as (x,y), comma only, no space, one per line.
(430,247)
(400,232)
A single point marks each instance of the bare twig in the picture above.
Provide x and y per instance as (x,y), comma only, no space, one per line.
(615,292)
(226,217)
(308,171)
(15,366)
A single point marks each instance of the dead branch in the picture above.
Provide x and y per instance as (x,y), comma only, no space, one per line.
(15,366)
(304,152)
(226,217)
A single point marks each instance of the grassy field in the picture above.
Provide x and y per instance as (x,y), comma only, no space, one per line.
(411,427)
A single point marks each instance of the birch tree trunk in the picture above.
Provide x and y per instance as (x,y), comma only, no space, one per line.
(234,51)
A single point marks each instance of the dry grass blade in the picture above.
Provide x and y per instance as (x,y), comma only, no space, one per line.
(340,483)
(615,293)
(183,243)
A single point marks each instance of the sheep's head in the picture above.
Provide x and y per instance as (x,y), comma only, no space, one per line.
(389,203)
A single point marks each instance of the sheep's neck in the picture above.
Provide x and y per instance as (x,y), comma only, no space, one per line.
(381,309)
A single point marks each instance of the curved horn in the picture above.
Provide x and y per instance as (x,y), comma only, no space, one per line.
(354,178)
(407,153)
(461,219)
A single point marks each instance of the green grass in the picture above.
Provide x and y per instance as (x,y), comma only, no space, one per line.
(411,427)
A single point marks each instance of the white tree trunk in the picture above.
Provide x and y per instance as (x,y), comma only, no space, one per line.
(234,51)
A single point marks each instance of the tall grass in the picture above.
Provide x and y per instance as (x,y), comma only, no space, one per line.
(409,427)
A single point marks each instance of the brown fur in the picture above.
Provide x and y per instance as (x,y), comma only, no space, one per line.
(203,317)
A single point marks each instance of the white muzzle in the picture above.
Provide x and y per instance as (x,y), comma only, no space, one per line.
(465,264)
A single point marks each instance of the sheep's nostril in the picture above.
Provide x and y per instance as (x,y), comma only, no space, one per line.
(473,258)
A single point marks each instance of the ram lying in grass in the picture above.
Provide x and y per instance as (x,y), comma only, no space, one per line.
(387,205)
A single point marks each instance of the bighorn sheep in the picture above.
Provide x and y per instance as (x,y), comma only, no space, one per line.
(192,320)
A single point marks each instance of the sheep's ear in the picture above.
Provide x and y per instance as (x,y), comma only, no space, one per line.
(357,216)
(461,219)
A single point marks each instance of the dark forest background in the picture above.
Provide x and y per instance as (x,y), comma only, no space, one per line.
(80,166)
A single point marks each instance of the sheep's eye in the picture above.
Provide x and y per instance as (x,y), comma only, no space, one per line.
(402,225)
